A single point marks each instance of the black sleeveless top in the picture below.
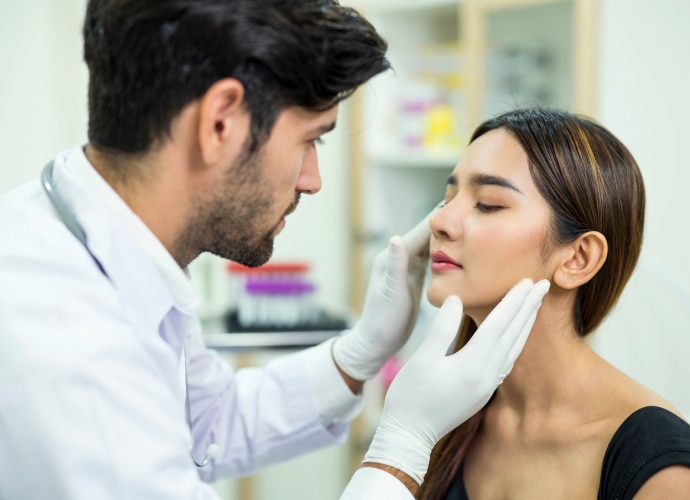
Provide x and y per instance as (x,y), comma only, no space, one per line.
(648,441)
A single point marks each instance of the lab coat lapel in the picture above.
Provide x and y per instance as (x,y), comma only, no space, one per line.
(135,277)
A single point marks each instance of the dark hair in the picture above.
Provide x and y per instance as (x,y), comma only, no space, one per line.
(148,59)
(592,183)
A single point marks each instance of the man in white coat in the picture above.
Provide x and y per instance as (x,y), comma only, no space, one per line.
(204,117)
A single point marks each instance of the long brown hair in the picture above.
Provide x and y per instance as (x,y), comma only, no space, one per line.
(592,183)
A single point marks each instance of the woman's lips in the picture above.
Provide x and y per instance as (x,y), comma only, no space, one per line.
(440,261)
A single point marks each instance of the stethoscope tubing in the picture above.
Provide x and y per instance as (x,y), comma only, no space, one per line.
(70,221)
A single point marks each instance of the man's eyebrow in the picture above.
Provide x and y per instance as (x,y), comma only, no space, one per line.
(323,129)
(493,180)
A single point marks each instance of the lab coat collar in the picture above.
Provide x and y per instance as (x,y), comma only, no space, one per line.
(177,280)
(145,277)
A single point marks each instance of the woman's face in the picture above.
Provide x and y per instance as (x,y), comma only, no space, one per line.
(491,231)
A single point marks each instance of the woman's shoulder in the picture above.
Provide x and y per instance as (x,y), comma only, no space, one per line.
(654,421)
(626,395)
(648,440)
(631,406)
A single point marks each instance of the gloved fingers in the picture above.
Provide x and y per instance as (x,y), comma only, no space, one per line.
(517,347)
(537,294)
(513,330)
(502,317)
(417,238)
(443,330)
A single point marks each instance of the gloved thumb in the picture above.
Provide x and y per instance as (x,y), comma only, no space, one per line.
(398,258)
(417,238)
(443,329)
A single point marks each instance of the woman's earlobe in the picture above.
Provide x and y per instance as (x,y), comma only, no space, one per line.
(584,258)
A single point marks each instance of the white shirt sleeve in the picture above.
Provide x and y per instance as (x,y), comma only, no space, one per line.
(334,400)
(257,417)
(369,483)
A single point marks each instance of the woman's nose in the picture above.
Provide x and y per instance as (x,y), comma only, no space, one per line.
(445,223)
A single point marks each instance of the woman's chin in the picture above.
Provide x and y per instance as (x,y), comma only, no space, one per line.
(435,299)
(476,309)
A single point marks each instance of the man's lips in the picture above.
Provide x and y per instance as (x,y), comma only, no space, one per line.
(293,206)
(281,223)
(440,261)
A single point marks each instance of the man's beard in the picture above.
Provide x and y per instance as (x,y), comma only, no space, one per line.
(230,223)
(243,246)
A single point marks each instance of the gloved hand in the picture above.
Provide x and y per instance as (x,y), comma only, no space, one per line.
(390,306)
(434,393)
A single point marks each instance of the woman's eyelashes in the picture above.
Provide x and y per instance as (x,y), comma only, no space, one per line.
(486,208)
(482,207)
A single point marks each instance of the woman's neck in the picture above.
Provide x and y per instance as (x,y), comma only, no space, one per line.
(554,371)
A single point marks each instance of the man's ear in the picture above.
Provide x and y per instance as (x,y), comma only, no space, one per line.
(223,121)
(581,260)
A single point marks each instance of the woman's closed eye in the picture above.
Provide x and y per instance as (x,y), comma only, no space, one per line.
(487,208)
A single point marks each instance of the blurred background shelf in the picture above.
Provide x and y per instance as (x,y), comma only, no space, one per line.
(267,340)
(455,63)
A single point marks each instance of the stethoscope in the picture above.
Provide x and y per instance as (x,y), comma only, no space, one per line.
(71,222)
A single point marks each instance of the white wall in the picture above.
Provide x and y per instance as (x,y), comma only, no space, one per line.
(43,85)
(644,98)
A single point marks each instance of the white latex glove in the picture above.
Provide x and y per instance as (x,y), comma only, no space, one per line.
(434,393)
(390,306)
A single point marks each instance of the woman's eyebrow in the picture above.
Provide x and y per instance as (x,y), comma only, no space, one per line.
(492,180)
(485,180)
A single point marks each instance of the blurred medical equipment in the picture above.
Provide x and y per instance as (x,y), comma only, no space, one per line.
(71,222)
(275,295)
(278,296)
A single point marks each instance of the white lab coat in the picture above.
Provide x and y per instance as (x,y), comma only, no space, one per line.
(91,388)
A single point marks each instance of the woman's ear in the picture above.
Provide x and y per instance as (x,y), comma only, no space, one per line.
(223,121)
(582,259)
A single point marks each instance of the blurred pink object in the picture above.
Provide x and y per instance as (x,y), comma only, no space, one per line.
(389,370)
